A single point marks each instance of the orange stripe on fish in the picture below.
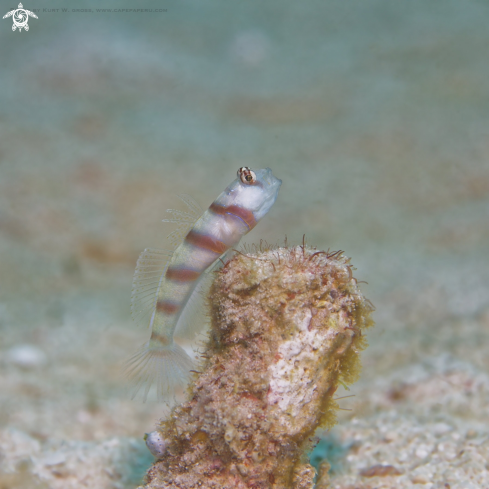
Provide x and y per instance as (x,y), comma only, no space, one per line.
(167,307)
(206,242)
(160,338)
(181,274)
(244,214)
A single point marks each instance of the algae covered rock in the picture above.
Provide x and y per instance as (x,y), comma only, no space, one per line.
(287,327)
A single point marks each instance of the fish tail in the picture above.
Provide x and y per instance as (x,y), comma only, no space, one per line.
(166,366)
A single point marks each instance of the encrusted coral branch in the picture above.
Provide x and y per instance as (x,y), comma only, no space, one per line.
(287,328)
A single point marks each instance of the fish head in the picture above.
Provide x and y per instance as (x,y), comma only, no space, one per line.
(255,191)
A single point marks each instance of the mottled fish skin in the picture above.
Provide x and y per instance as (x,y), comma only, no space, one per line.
(232,215)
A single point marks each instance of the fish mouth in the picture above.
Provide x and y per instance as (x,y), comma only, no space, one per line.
(271,180)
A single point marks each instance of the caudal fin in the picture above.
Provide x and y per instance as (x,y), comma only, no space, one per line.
(166,367)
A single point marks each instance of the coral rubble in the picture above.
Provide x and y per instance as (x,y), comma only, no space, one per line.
(287,327)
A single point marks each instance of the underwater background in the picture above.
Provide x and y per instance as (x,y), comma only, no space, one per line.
(375,115)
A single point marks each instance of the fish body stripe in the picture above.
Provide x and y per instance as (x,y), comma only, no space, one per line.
(181,274)
(244,214)
(159,338)
(167,307)
(206,242)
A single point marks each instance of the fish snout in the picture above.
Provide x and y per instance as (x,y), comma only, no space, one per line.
(271,180)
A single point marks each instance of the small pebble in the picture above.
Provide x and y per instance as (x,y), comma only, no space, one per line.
(471,434)
(419,479)
(440,429)
(83,416)
(422,451)
(27,356)
(55,458)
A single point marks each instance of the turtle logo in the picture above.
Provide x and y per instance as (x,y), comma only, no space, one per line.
(20,16)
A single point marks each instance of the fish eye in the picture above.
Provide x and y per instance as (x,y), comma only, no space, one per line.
(247,175)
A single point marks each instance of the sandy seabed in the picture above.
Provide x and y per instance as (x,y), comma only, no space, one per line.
(374,115)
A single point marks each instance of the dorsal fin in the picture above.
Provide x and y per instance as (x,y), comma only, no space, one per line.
(152,263)
(150,269)
(184,219)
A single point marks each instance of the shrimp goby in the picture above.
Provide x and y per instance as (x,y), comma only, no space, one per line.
(164,281)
